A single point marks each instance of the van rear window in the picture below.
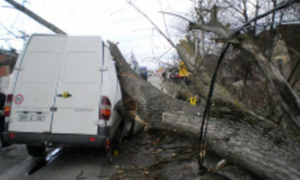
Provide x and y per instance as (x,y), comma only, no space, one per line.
(81,67)
(39,67)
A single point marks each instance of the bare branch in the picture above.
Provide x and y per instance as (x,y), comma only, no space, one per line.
(9,31)
(176,15)
(156,27)
(234,7)
(164,19)
(288,97)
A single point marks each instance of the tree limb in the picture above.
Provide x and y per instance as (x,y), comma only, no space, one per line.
(289,98)
(143,14)
(249,141)
(256,146)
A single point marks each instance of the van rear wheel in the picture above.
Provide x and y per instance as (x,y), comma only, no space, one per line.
(35,151)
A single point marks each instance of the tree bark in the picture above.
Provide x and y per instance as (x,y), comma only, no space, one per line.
(248,141)
(258,146)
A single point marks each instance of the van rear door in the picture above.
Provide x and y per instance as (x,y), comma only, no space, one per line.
(35,79)
(78,91)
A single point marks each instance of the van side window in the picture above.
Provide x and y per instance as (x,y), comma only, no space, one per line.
(39,67)
(81,67)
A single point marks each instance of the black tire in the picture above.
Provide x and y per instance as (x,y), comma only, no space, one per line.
(36,151)
(4,144)
(110,160)
(117,142)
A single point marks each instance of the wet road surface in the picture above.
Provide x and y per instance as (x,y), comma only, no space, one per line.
(147,155)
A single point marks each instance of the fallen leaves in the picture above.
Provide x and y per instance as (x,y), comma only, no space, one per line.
(188,151)
(120,172)
(202,153)
(159,151)
(186,168)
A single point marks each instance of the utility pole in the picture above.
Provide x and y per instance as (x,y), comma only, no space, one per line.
(36,17)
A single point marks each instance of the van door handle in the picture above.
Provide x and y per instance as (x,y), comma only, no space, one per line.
(64,95)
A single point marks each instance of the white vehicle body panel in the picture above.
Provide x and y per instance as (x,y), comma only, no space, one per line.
(81,77)
(36,82)
(55,64)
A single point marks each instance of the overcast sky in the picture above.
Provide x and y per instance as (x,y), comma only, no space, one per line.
(114,20)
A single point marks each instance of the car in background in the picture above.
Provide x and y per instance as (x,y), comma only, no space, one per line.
(144,73)
(4,83)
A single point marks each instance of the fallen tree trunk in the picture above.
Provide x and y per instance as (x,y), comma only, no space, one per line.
(258,146)
(247,141)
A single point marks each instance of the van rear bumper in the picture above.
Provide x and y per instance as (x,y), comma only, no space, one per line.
(55,140)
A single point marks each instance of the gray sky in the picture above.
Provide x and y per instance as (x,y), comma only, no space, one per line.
(114,20)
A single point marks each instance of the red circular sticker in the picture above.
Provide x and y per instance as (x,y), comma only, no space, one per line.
(18,99)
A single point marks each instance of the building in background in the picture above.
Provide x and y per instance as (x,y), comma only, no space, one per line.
(285,48)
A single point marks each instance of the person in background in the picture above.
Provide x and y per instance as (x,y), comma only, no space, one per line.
(168,76)
(164,76)
(2,119)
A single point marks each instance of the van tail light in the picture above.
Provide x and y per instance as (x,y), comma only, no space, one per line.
(105,108)
(92,139)
(7,106)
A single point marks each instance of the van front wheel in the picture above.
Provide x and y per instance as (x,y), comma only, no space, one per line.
(36,151)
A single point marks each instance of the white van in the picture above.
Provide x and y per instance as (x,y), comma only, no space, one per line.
(64,91)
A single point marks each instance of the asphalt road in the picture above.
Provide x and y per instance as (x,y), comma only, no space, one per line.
(157,82)
(72,163)
(146,155)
